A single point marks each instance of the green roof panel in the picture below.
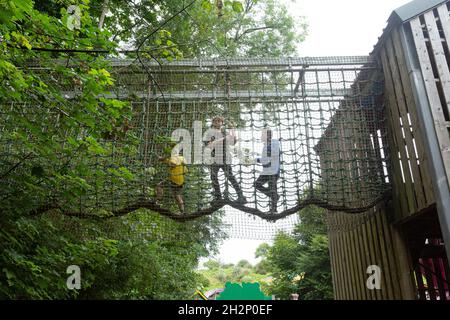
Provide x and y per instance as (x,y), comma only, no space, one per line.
(415,8)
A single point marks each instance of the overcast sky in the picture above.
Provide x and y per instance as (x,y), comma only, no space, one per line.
(343,27)
(336,27)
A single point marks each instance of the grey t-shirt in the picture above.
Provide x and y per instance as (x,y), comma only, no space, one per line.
(222,148)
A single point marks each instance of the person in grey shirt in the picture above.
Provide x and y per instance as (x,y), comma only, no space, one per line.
(270,161)
(222,157)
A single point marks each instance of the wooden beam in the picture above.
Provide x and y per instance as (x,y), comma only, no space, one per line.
(417,131)
(432,92)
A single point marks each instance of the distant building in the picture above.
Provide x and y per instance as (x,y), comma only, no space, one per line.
(213,294)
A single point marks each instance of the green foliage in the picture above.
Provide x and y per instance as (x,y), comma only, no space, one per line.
(300,263)
(219,274)
(262,267)
(315,263)
(212,264)
(134,262)
(63,145)
(35,255)
(313,222)
(262,250)
(244,264)
(252,28)
(44,117)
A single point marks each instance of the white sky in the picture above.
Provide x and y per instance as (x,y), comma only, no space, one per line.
(336,27)
(343,27)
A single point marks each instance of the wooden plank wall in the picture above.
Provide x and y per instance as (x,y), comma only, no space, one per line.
(374,238)
(412,187)
(431,33)
(359,241)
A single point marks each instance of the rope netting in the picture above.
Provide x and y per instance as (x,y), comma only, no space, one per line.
(258,139)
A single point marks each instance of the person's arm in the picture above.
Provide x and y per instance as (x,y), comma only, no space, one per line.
(213,137)
(231,138)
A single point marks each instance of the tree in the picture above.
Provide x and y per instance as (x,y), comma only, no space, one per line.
(244,264)
(204,28)
(137,256)
(252,28)
(51,162)
(300,263)
(212,264)
(315,266)
(262,250)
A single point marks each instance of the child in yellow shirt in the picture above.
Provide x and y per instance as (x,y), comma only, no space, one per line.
(175,181)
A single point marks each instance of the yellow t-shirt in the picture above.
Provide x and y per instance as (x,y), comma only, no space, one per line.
(177,169)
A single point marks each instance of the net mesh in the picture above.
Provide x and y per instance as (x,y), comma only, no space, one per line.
(296,132)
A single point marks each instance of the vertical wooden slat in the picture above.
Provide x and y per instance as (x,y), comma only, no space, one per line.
(402,113)
(353,263)
(348,252)
(341,269)
(403,193)
(445,22)
(417,132)
(373,253)
(364,257)
(339,263)
(368,259)
(360,258)
(331,247)
(345,256)
(389,246)
(439,54)
(444,77)
(335,263)
(404,270)
(386,267)
(432,92)
(402,196)
(385,290)
(349,260)
(341,260)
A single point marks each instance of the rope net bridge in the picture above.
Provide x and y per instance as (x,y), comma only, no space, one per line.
(296,132)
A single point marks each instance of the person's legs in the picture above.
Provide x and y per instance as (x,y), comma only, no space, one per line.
(273,185)
(229,175)
(259,184)
(215,181)
(177,192)
(180,202)
(270,191)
